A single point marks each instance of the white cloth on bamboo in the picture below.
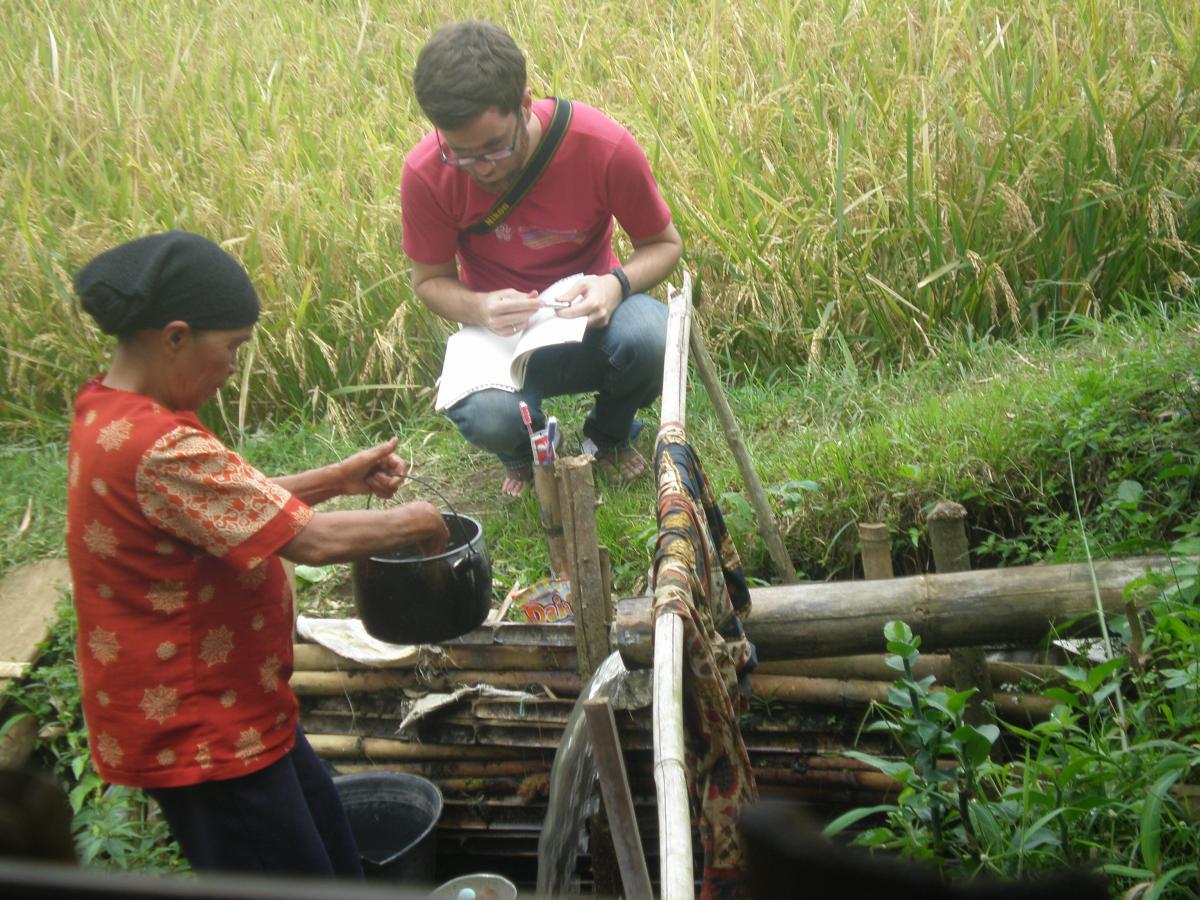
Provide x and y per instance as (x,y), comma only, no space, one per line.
(348,638)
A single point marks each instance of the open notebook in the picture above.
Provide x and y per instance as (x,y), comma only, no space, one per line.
(477,358)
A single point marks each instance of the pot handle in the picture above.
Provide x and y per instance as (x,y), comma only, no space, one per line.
(466,562)
(462,529)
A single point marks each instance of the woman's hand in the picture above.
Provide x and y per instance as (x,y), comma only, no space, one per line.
(432,533)
(377,471)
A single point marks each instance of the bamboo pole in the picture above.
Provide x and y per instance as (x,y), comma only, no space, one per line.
(988,607)
(321,683)
(951,553)
(488,657)
(577,493)
(670,774)
(334,746)
(847,692)
(876,551)
(460,769)
(768,528)
(545,486)
(869,666)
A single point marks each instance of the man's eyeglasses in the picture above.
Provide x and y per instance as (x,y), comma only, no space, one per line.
(492,156)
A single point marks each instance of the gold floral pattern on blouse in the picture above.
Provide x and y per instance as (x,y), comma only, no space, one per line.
(249,744)
(166,758)
(206,593)
(109,749)
(167,596)
(224,499)
(104,591)
(104,645)
(99,486)
(100,540)
(114,434)
(166,650)
(253,577)
(268,674)
(203,755)
(229,698)
(164,548)
(216,646)
(258,622)
(102,698)
(73,470)
(160,703)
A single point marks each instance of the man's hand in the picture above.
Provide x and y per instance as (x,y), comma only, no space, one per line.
(377,471)
(508,311)
(598,298)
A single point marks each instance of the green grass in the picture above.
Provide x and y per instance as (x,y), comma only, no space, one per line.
(995,426)
(847,177)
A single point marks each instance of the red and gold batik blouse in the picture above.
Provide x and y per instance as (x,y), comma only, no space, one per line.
(185,612)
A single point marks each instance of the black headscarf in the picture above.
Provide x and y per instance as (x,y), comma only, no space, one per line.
(161,278)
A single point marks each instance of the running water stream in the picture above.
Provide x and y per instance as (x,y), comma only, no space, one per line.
(573,775)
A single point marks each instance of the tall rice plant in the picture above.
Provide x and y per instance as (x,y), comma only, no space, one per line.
(864,170)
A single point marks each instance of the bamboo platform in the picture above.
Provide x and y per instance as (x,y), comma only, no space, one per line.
(491,757)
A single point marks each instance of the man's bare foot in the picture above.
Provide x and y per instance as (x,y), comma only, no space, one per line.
(515,481)
(624,461)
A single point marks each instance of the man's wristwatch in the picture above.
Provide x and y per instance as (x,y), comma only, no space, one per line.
(626,290)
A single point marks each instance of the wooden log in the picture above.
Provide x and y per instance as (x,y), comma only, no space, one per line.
(491,657)
(951,553)
(844,693)
(577,493)
(870,666)
(876,552)
(988,607)
(618,800)
(768,528)
(545,486)
(319,683)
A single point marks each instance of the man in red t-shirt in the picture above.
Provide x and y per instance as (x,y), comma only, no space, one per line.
(470,82)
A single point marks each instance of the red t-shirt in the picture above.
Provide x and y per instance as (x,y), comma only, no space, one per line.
(185,613)
(562,226)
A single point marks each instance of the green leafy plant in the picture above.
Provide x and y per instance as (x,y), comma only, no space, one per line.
(1109,780)
(945,762)
(115,827)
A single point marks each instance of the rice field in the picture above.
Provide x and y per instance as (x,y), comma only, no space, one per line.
(849,177)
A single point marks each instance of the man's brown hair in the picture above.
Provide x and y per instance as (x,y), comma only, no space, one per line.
(467,68)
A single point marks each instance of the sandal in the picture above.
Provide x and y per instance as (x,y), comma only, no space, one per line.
(625,462)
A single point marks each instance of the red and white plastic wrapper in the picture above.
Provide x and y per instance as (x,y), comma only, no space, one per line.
(545,602)
(542,454)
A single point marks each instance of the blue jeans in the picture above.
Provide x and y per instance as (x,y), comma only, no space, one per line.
(622,363)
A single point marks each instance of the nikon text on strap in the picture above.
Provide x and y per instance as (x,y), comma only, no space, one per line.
(533,171)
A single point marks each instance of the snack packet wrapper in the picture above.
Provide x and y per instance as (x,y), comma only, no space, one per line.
(545,602)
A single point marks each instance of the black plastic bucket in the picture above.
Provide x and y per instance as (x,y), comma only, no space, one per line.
(394,818)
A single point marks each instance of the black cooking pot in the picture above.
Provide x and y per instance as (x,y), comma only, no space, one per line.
(405,597)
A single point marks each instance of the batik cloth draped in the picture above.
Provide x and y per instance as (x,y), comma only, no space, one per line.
(698,577)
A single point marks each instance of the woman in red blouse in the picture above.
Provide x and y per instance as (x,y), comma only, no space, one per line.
(185,612)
